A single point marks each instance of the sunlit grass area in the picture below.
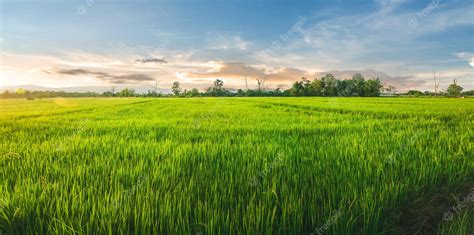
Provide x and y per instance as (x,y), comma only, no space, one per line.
(229,165)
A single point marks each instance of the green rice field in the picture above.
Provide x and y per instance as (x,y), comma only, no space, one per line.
(235,165)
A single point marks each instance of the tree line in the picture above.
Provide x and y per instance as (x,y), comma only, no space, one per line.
(327,86)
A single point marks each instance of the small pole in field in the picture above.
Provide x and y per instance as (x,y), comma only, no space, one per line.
(157,82)
(436,82)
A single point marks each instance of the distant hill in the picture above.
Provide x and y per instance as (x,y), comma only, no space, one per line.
(98,89)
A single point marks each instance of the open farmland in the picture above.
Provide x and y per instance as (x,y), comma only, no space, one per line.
(233,165)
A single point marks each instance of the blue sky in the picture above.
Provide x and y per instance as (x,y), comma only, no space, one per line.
(132,43)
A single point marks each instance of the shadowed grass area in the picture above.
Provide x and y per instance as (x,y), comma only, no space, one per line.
(230,165)
(462,224)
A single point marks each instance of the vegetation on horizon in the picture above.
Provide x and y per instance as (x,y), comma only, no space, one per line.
(327,86)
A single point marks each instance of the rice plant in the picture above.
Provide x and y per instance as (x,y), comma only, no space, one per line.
(228,165)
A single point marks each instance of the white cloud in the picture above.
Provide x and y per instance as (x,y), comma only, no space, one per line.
(227,42)
(469,57)
(381,40)
(387,6)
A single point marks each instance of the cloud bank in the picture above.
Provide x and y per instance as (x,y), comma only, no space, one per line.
(112,78)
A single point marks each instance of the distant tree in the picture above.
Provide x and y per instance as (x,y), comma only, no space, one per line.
(391,89)
(108,93)
(468,93)
(329,87)
(373,87)
(20,91)
(217,88)
(6,94)
(218,84)
(276,92)
(297,89)
(454,90)
(152,93)
(194,92)
(176,88)
(126,93)
(316,87)
(306,86)
(346,88)
(341,86)
(358,85)
(259,84)
(414,93)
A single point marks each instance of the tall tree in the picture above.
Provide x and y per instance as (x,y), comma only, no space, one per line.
(372,87)
(358,82)
(260,84)
(329,85)
(454,89)
(217,88)
(176,88)
(297,89)
(127,93)
(391,89)
(306,86)
(218,84)
(316,87)
(344,87)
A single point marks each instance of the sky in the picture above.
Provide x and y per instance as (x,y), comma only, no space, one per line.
(56,43)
